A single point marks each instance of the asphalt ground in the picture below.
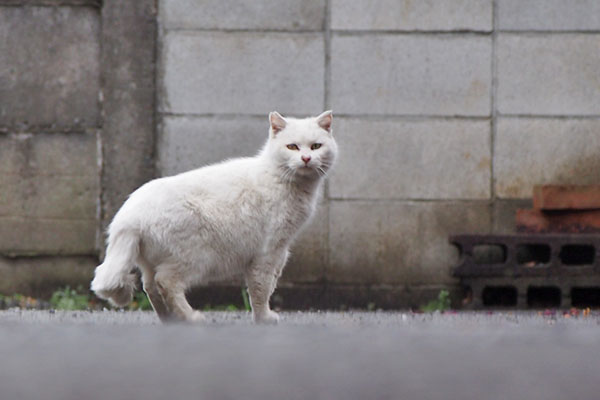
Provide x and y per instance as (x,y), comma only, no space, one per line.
(352,355)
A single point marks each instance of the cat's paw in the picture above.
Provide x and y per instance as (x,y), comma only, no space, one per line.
(196,316)
(269,318)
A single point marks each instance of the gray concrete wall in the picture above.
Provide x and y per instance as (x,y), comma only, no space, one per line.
(447,113)
(76,132)
(49,131)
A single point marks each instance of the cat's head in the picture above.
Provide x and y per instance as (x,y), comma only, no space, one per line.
(302,148)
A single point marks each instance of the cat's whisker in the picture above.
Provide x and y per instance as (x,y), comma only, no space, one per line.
(288,175)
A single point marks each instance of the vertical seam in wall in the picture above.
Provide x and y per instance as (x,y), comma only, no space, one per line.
(493,100)
(155,115)
(100,139)
(159,90)
(99,245)
(327,105)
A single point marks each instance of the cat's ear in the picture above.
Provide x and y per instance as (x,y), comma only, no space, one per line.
(324,120)
(277,122)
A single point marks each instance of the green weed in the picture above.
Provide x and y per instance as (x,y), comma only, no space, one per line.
(70,299)
(140,302)
(442,303)
(228,307)
(247,306)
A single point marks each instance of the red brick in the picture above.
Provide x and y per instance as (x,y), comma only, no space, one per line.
(536,221)
(566,197)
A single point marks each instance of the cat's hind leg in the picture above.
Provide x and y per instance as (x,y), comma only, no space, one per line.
(153,294)
(261,279)
(172,288)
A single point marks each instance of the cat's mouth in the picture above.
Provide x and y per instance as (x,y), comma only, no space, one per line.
(307,170)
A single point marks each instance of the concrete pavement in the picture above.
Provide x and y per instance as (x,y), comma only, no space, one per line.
(129,355)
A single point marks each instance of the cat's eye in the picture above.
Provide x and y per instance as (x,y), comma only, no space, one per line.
(292,147)
(315,146)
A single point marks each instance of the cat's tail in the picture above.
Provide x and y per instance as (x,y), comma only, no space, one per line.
(114,279)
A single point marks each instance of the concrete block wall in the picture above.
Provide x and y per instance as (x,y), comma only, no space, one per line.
(49,130)
(70,89)
(446,112)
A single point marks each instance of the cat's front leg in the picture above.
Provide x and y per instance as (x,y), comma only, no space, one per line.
(261,279)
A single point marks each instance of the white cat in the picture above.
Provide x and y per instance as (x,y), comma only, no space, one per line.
(238,216)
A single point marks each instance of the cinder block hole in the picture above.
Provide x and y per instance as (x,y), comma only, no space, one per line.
(533,254)
(585,297)
(543,297)
(456,253)
(467,297)
(577,254)
(499,296)
(489,254)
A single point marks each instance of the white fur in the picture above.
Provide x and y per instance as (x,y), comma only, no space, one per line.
(238,216)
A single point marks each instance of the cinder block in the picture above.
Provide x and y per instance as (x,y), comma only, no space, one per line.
(383,242)
(49,196)
(49,154)
(548,74)
(41,276)
(530,151)
(411,74)
(290,15)
(37,236)
(244,73)
(49,67)
(408,159)
(565,197)
(49,176)
(549,15)
(407,15)
(191,142)
(537,221)
(51,205)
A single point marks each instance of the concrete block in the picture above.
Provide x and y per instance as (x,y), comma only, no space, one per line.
(548,74)
(549,15)
(566,197)
(41,276)
(407,15)
(49,196)
(49,154)
(51,205)
(49,67)
(191,142)
(37,236)
(422,159)
(244,73)
(52,3)
(309,252)
(530,151)
(49,176)
(504,212)
(235,14)
(383,242)
(411,74)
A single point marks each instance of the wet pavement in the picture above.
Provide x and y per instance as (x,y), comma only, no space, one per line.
(129,355)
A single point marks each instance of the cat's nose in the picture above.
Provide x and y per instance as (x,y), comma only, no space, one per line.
(306,159)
